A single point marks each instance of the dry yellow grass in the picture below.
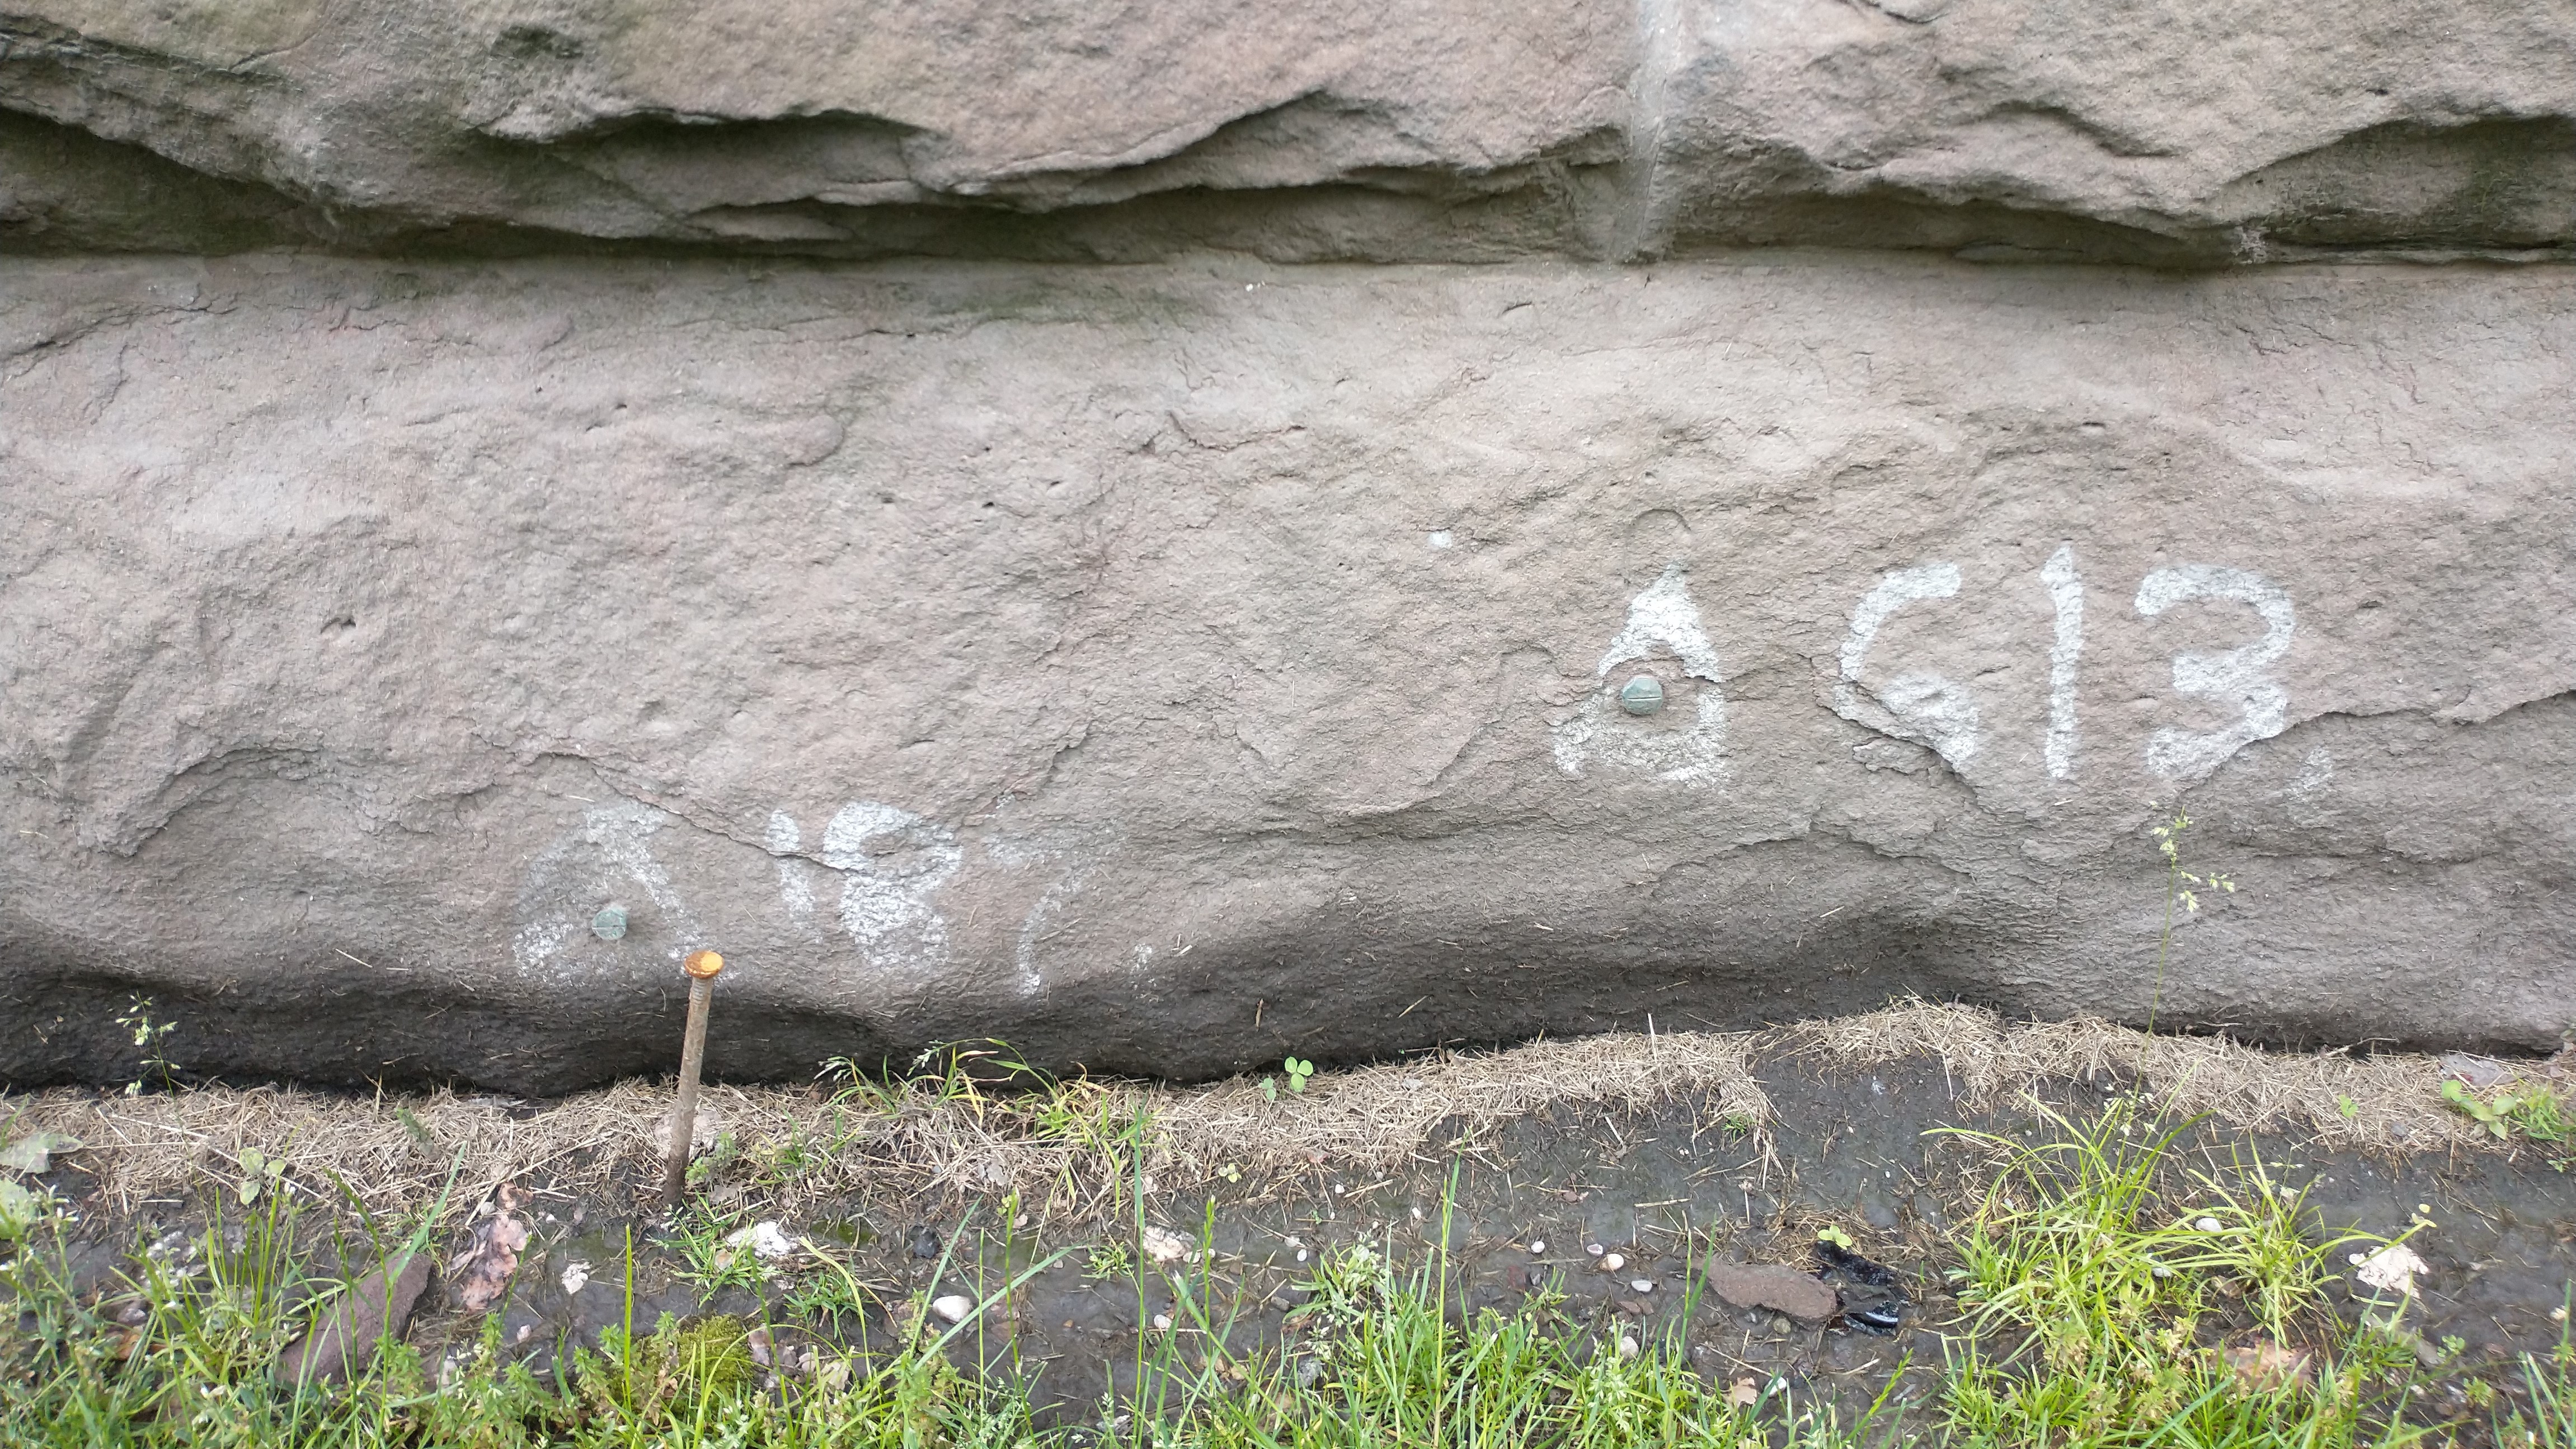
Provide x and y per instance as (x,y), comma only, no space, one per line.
(1071,1152)
(2385,1101)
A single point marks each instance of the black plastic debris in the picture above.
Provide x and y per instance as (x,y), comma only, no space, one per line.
(1871,1301)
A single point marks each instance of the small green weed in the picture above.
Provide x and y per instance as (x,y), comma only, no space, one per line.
(412,1124)
(2531,1112)
(699,1231)
(148,1036)
(1109,1260)
(2182,892)
(24,1209)
(260,1173)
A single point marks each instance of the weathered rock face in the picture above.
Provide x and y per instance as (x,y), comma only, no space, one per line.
(1169,666)
(1165,668)
(2169,131)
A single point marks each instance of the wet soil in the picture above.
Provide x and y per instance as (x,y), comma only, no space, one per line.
(1537,1205)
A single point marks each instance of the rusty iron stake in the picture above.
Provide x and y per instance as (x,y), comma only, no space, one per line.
(702,967)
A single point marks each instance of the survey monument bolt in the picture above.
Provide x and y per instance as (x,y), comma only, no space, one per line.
(1642,695)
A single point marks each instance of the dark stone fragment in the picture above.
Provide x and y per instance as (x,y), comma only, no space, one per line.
(375,1310)
(1775,1286)
(1865,1292)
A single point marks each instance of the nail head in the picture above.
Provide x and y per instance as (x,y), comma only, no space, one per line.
(703,965)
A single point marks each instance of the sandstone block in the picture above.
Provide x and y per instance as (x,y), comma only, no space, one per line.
(1168,669)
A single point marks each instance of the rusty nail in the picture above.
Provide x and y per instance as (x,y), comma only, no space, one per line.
(703,967)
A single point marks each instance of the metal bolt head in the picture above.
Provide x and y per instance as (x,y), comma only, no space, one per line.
(609,924)
(1642,695)
(703,965)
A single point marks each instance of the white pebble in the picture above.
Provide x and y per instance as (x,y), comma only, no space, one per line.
(1538,1245)
(1593,1248)
(1301,1255)
(952,1307)
(1612,1263)
(1627,1346)
(1162,1322)
(2207,1225)
(1642,1285)
(767,1241)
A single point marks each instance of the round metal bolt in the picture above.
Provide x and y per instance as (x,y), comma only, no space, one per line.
(609,924)
(1642,695)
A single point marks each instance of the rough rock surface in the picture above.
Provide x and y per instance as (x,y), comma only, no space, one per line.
(2169,131)
(1166,668)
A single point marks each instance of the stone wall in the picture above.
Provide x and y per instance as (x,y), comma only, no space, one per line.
(457,480)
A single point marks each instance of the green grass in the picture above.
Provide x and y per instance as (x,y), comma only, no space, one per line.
(2523,1111)
(2101,1287)
(2100,1311)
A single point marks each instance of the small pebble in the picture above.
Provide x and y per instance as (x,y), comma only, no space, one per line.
(952,1307)
(1593,1248)
(1301,1255)
(1162,1322)
(2207,1225)
(1612,1262)
(1538,1245)
(1780,1323)
(1627,1346)
(1642,1285)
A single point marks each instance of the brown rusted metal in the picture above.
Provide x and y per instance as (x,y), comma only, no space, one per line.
(703,968)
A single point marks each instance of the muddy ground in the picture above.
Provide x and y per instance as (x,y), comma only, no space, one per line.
(1536,1204)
